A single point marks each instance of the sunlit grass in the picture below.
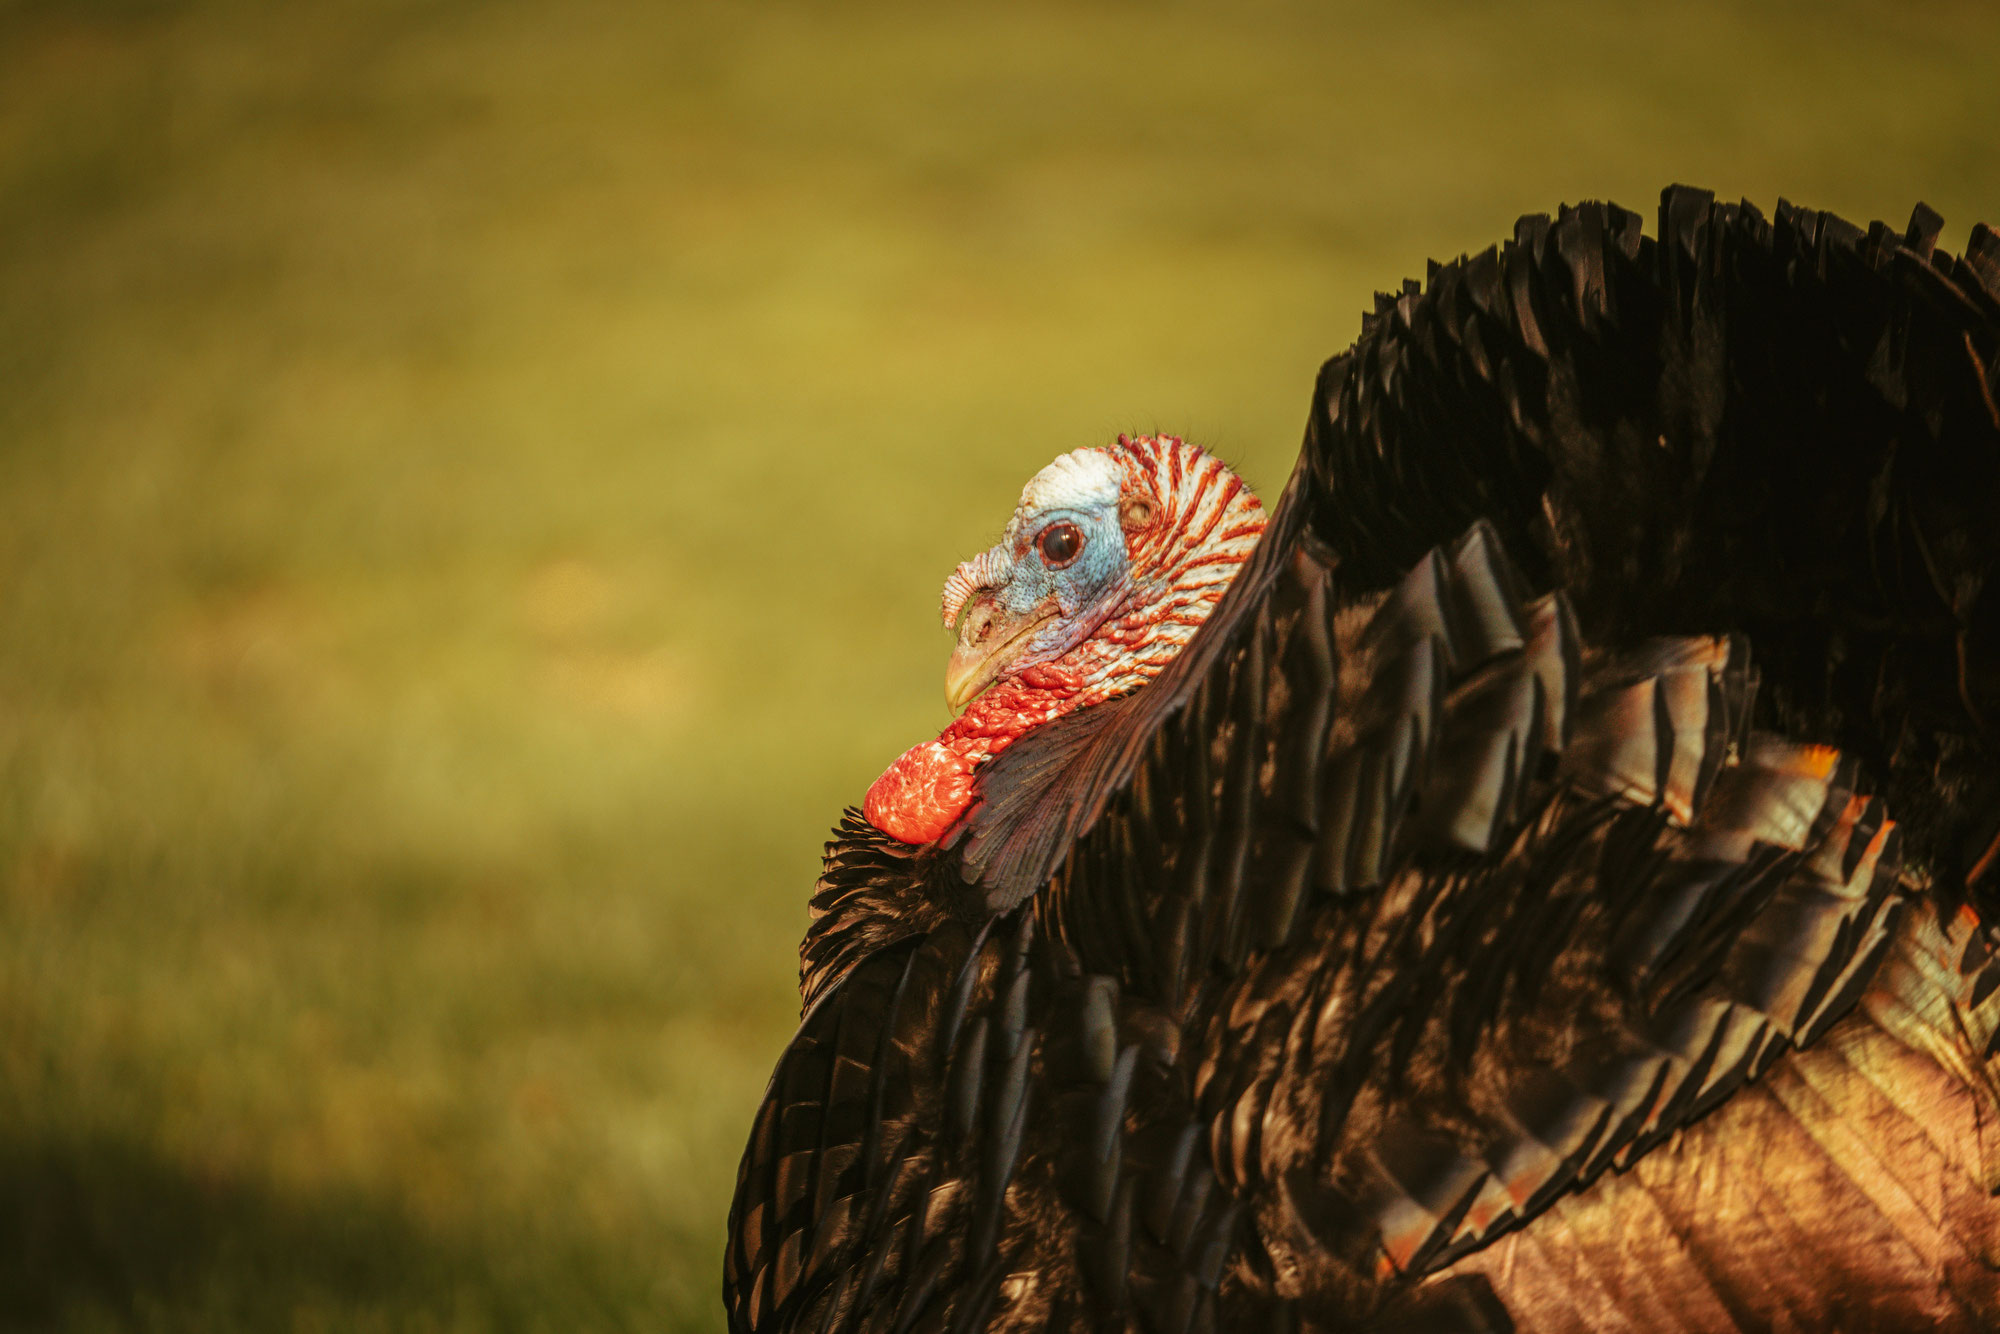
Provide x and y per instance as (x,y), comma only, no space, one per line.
(474,483)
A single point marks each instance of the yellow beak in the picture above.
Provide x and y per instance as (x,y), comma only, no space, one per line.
(988,643)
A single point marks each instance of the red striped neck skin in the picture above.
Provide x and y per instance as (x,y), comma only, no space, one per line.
(1113,559)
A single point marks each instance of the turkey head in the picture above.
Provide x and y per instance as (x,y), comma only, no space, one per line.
(1112,560)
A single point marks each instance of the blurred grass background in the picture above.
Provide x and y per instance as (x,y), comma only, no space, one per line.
(474,484)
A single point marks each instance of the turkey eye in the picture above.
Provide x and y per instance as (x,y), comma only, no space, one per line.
(1059,543)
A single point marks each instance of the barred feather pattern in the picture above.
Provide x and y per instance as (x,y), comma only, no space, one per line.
(1206,524)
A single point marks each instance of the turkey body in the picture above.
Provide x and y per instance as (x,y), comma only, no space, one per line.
(1554,890)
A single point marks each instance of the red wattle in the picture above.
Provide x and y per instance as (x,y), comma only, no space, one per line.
(921,795)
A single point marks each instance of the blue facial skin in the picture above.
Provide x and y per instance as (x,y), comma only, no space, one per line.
(1083,592)
(1028,611)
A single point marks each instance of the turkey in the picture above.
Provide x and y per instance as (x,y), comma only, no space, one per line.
(1540,874)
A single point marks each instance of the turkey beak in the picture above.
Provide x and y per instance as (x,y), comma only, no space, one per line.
(988,642)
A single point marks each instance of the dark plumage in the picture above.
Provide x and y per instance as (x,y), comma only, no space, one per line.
(1552,890)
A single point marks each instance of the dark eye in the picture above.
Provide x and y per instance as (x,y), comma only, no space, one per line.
(1059,543)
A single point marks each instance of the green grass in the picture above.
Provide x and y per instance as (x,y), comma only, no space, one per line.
(474,485)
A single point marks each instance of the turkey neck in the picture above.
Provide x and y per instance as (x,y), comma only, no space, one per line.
(924,793)
(919,797)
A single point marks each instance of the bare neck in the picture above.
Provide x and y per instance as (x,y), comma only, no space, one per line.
(925,792)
